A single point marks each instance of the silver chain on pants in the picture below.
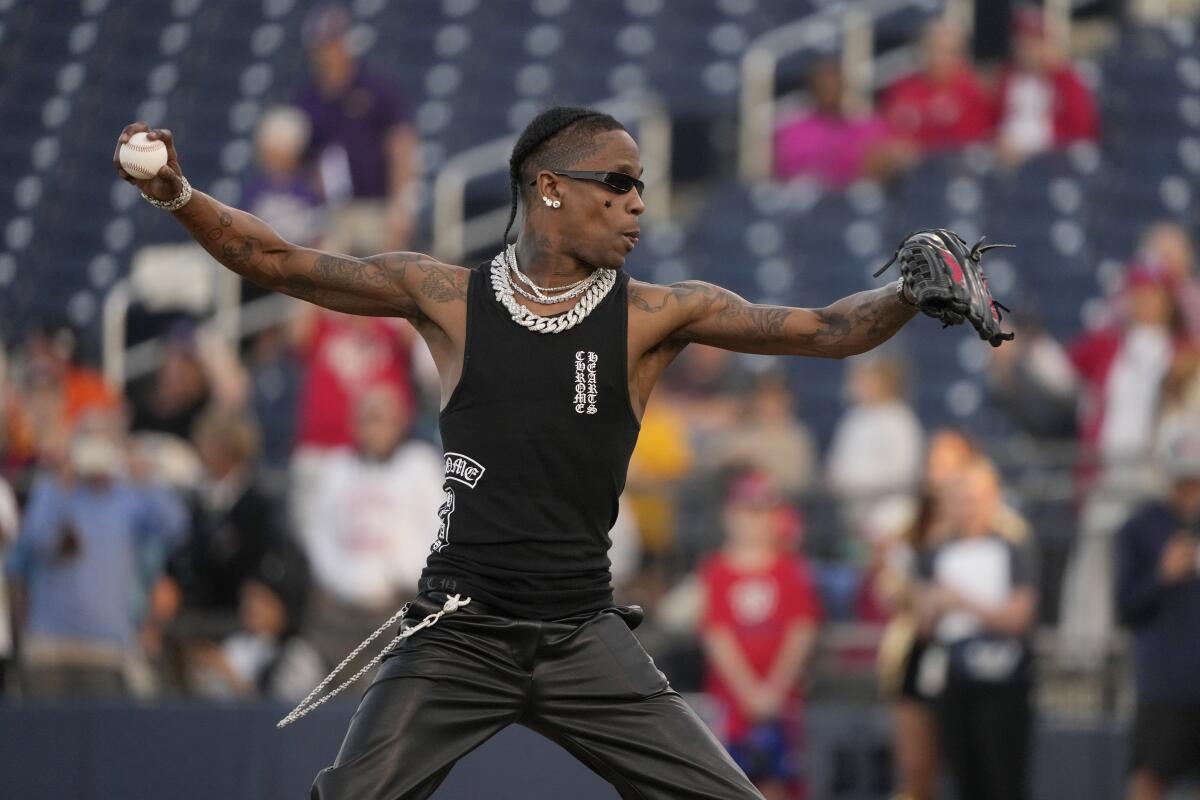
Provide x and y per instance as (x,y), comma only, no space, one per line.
(453,603)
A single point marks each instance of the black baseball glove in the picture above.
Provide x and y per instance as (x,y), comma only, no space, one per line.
(946,280)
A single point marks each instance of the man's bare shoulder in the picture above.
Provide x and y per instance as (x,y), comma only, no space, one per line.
(684,296)
(426,278)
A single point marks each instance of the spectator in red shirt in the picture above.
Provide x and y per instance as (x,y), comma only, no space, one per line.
(944,106)
(345,356)
(1042,103)
(761,613)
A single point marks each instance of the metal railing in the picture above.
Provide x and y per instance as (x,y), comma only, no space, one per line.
(226,316)
(455,235)
(852,25)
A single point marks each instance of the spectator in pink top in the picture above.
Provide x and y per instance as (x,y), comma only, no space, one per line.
(831,145)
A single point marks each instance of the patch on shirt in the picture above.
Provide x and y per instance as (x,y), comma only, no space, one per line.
(463,469)
(444,512)
(586,391)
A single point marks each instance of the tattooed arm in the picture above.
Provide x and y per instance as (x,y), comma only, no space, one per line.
(694,311)
(395,284)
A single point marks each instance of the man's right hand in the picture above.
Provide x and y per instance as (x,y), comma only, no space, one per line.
(1178,562)
(168,183)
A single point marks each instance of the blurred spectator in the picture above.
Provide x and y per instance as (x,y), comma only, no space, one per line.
(276,375)
(1033,381)
(1158,597)
(833,145)
(278,192)
(759,627)
(58,389)
(1123,367)
(235,524)
(1181,386)
(1042,103)
(770,438)
(198,369)
(17,445)
(362,141)
(979,606)
(944,106)
(876,448)
(706,386)
(662,458)
(1168,246)
(625,555)
(914,726)
(369,524)
(87,534)
(267,657)
(9,524)
(345,356)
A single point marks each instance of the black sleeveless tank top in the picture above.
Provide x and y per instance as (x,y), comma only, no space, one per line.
(538,435)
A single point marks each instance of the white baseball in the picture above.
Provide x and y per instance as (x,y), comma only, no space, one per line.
(142,157)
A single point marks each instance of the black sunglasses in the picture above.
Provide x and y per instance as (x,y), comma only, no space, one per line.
(617,181)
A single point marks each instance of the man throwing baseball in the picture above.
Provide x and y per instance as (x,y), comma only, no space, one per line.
(547,356)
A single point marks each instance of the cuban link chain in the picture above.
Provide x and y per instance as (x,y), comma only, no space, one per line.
(602,281)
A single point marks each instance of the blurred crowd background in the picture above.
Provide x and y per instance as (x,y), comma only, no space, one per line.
(210,492)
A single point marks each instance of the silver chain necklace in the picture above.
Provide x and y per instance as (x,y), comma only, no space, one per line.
(546,296)
(601,281)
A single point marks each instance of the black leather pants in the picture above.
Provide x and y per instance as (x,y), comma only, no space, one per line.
(585,683)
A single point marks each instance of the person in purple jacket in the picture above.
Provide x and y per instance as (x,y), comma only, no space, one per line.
(362,141)
(1158,598)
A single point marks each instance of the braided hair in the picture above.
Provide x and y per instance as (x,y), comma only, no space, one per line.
(556,138)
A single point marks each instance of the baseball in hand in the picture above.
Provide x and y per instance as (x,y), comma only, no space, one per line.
(142,157)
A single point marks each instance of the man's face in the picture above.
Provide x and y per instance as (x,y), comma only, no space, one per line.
(590,231)
(379,423)
(1150,304)
(827,87)
(944,46)
(330,59)
(752,524)
(1030,52)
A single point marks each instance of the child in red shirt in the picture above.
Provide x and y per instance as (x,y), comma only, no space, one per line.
(759,628)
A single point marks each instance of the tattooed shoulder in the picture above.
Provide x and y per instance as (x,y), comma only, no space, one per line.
(644,297)
(653,299)
(427,277)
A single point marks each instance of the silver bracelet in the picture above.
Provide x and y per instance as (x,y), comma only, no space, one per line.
(179,201)
(900,292)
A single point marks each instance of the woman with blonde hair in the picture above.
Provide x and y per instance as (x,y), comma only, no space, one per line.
(914,726)
(978,606)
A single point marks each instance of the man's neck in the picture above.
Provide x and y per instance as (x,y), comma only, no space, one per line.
(539,260)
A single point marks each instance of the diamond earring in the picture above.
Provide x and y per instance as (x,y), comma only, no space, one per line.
(556,204)
(547,200)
